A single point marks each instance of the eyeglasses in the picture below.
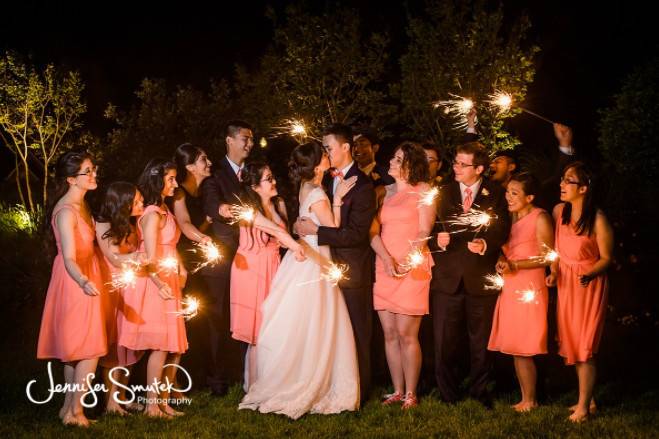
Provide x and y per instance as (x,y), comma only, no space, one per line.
(461,164)
(269,179)
(89,172)
(567,181)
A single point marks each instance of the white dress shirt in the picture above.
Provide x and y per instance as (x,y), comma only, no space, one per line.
(474,190)
(235,167)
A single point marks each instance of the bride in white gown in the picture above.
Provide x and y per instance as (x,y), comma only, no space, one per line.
(306,357)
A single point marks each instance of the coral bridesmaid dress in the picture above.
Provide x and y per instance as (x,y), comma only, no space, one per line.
(253,268)
(113,305)
(580,310)
(150,322)
(519,326)
(72,326)
(409,294)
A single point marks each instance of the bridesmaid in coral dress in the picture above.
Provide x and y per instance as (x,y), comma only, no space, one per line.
(257,259)
(519,325)
(402,287)
(117,240)
(72,326)
(584,242)
(152,313)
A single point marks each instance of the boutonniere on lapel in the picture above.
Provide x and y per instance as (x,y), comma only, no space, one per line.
(485,192)
(375,175)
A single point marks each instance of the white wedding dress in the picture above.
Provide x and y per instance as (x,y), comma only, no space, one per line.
(305,353)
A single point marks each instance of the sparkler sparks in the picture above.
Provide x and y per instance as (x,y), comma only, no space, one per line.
(189,309)
(428,197)
(474,218)
(335,273)
(169,265)
(458,108)
(126,277)
(548,255)
(242,212)
(295,128)
(493,282)
(211,255)
(500,100)
(527,296)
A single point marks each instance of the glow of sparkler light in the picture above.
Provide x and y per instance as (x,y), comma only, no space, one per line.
(168,265)
(494,282)
(501,100)
(548,255)
(527,296)
(335,273)
(295,128)
(189,309)
(458,107)
(210,253)
(478,219)
(428,197)
(124,278)
(242,213)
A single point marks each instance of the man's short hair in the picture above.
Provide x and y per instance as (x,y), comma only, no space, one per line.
(343,133)
(367,133)
(508,154)
(233,127)
(477,150)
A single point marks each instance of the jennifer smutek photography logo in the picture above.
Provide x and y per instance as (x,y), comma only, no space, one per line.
(90,398)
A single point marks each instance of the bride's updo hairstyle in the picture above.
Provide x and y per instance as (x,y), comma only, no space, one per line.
(304,160)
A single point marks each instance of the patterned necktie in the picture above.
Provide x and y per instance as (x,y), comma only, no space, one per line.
(239,174)
(466,204)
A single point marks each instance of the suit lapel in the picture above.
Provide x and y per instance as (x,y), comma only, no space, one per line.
(327,184)
(480,196)
(232,175)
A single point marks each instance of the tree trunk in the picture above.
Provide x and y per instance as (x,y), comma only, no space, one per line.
(45,182)
(27,184)
(17,170)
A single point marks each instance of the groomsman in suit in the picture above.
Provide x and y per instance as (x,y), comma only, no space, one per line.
(218,192)
(464,259)
(350,243)
(367,144)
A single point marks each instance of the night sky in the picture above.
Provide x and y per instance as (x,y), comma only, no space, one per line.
(586,49)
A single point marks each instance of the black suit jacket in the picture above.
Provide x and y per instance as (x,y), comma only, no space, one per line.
(221,188)
(380,176)
(350,243)
(457,262)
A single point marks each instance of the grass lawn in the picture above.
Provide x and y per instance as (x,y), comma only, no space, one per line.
(621,416)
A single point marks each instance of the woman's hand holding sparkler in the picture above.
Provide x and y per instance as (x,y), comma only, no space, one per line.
(390,266)
(443,240)
(477,246)
(504,266)
(550,280)
(298,251)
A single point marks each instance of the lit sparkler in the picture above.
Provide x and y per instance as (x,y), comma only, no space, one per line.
(527,296)
(493,282)
(242,212)
(473,218)
(126,277)
(458,108)
(428,197)
(503,102)
(548,255)
(210,253)
(295,128)
(169,265)
(335,273)
(189,308)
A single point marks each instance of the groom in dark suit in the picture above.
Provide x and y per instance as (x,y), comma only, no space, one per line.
(462,261)
(218,192)
(350,243)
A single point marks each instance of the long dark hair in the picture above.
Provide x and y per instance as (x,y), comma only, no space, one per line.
(68,165)
(185,155)
(151,181)
(586,222)
(301,166)
(115,209)
(251,175)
